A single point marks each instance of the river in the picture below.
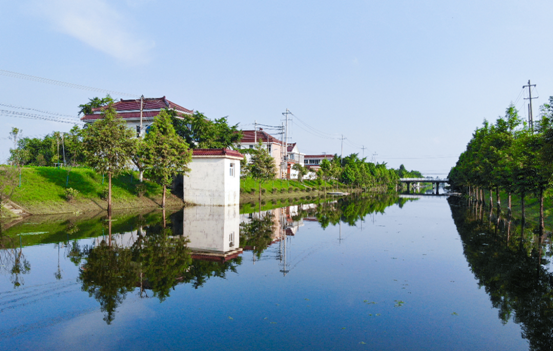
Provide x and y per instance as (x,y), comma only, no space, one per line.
(365,273)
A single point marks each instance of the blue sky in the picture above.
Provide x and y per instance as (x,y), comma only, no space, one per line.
(409,80)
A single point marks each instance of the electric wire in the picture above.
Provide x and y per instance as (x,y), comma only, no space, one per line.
(37,110)
(8,113)
(62,84)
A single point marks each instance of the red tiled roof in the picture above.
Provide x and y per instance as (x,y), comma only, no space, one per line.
(248,136)
(291,147)
(131,108)
(216,152)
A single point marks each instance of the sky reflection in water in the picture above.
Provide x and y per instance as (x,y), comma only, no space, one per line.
(372,273)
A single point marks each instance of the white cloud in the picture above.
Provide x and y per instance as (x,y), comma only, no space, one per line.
(98,24)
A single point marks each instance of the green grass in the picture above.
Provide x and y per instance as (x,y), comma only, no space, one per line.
(531,208)
(249,184)
(44,187)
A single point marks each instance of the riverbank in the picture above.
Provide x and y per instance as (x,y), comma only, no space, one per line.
(43,191)
(531,208)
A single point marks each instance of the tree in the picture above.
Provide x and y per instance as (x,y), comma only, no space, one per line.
(163,153)
(108,145)
(262,165)
(302,171)
(202,133)
(8,183)
(96,102)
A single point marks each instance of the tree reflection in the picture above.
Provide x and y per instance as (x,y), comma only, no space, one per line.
(509,263)
(13,261)
(258,232)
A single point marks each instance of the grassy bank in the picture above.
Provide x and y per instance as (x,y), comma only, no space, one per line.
(43,191)
(531,208)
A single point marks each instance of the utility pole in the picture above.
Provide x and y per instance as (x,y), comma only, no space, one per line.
(141,109)
(342,139)
(285,114)
(373,160)
(363,148)
(63,146)
(530,117)
(255,132)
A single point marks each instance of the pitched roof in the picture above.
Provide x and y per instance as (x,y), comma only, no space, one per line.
(131,108)
(217,152)
(291,147)
(249,136)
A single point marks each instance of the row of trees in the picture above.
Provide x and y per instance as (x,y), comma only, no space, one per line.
(358,172)
(509,156)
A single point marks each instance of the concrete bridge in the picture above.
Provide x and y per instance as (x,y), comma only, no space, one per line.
(435,182)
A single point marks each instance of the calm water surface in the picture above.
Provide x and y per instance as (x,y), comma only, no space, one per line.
(365,274)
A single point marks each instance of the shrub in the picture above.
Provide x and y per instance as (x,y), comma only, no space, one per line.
(104,194)
(140,189)
(308,189)
(274,190)
(290,189)
(282,190)
(252,191)
(71,194)
(296,189)
(263,190)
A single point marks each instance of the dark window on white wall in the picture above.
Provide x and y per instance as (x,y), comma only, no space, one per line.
(231,173)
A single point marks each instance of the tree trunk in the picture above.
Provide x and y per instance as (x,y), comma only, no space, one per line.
(163,200)
(109,223)
(260,192)
(542,222)
(522,205)
(497,197)
(141,176)
(109,194)
(509,202)
(491,198)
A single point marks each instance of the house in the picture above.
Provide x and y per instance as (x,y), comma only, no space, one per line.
(313,162)
(275,147)
(294,157)
(214,178)
(129,110)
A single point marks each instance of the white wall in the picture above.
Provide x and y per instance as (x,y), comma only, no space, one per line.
(209,227)
(209,182)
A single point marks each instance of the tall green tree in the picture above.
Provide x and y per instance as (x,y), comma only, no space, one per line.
(108,146)
(96,102)
(202,133)
(163,153)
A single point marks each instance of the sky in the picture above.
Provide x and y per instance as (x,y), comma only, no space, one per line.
(408,80)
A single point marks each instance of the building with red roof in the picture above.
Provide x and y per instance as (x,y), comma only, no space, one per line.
(214,178)
(129,110)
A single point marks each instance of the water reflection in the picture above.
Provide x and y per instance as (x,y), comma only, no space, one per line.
(150,254)
(510,262)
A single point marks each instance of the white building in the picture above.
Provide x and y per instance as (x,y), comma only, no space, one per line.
(294,157)
(129,110)
(214,232)
(214,178)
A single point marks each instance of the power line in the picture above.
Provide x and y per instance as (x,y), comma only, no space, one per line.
(62,84)
(37,110)
(8,113)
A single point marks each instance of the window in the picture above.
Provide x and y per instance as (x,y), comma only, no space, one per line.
(251,146)
(232,170)
(269,148)
(231,239)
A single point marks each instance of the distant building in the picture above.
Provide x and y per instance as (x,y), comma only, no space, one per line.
(214,178)
(275,147)
(129,110)
(313,162)
(294,157)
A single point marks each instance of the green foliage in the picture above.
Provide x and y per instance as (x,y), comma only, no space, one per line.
(508,155)
(71,194)
(163,153)
(202,133)
(86,109)
(262,165)
(107,143)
